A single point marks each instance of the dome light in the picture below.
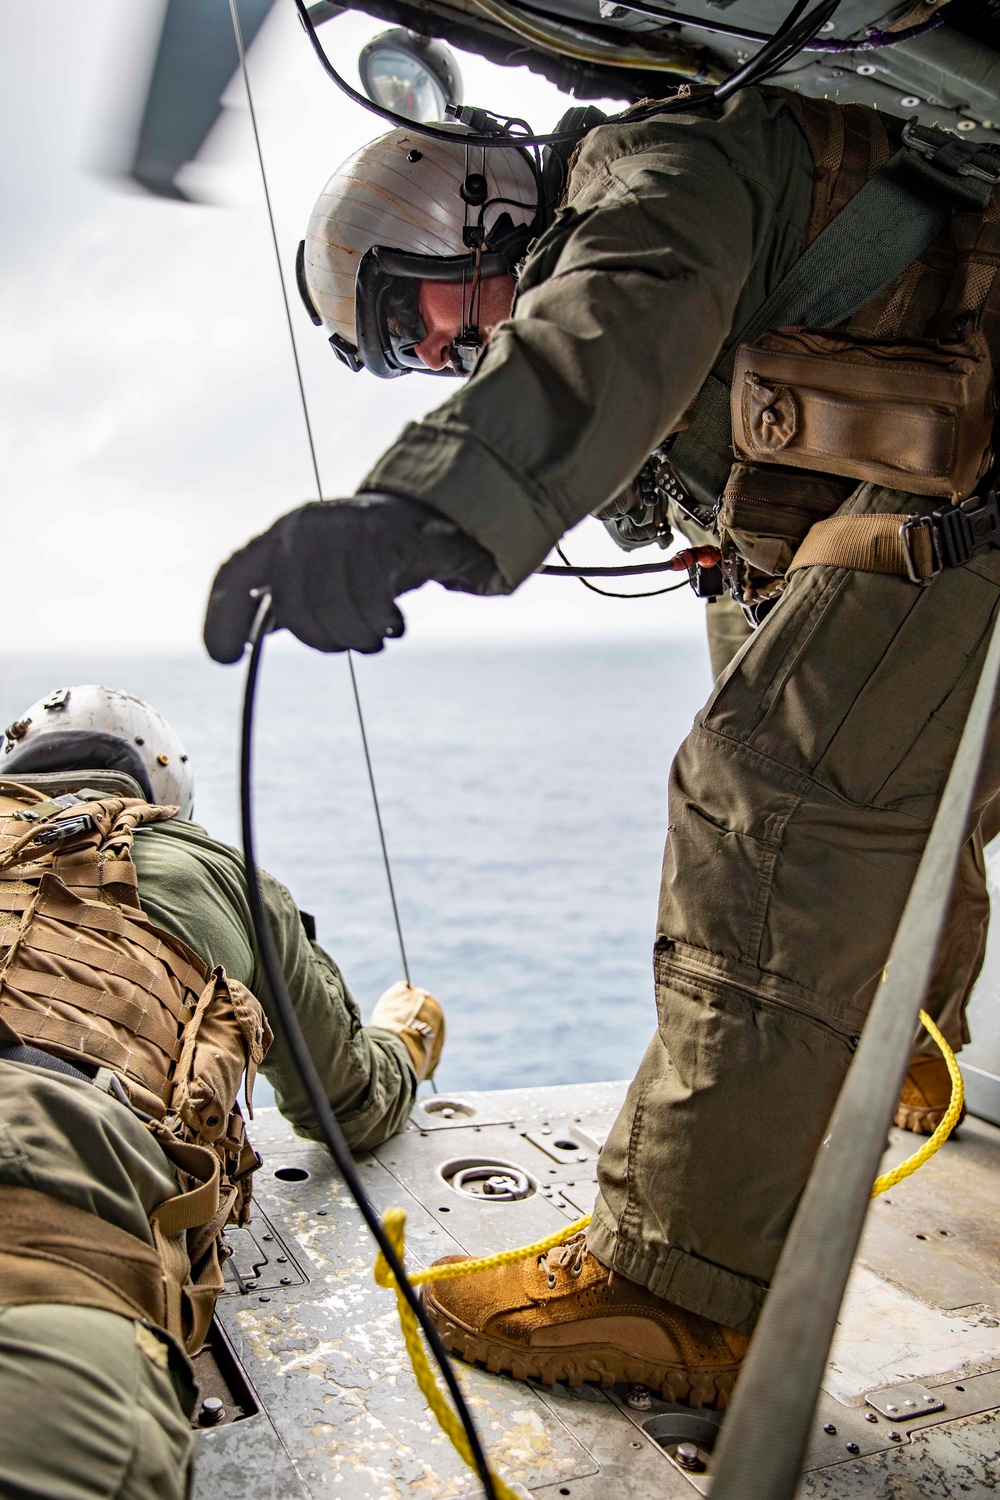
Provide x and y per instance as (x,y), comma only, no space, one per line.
(410,74)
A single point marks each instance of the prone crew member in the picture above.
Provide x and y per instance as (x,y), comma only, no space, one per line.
(601,337)
(132,1002)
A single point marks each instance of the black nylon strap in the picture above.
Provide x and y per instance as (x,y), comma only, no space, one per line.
(19,1052)
(876,235)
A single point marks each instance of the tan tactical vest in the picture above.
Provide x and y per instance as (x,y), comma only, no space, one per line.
(902,395)
(85,976)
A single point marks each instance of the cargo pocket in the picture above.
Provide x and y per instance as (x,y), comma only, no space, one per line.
(895,745)
(727,820)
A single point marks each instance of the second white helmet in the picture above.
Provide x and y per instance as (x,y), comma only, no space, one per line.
(407,208)
(88,727)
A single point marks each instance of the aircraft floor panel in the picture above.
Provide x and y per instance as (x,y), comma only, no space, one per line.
(318,1398)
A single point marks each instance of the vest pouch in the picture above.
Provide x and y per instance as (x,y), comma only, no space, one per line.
(226,1036)
(914,416)
(766,511)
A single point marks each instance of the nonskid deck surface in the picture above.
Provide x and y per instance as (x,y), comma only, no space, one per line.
(310,1348)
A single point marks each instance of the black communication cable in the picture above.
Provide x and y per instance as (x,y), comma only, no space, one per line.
(583,575)
(302,1058)
(571,571)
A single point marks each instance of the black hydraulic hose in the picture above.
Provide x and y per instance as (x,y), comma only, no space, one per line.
(302,1058)
(791,36)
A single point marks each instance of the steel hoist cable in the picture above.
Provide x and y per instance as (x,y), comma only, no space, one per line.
(304,404)
(284,1012)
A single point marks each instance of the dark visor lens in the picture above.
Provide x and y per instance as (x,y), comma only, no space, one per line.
(400,309)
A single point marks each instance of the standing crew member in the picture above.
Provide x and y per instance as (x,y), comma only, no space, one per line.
(132,1001)
(664,304)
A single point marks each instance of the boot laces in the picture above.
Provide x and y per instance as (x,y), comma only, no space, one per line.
(566,1257)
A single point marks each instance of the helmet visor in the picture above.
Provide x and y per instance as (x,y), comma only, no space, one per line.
(388,322)
(387,308)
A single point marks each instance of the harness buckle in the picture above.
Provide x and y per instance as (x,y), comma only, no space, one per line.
(964,528)
(950,154)
(907,533)
(954,535)
(65,828)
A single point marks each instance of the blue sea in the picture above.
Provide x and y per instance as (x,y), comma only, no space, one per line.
(523,792)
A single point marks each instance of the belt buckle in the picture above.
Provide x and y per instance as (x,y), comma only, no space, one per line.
(906,531)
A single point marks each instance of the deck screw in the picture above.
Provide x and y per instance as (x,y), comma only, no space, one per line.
(852,1448)
(689,1458)
(829,1427)
(638,1398)
(212,1411)
(896,1437)
(870,1416)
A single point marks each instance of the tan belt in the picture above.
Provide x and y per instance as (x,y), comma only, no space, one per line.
(870,544)
(51,1251)
(913,547)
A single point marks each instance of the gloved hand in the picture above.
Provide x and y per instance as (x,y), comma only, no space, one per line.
(335,568)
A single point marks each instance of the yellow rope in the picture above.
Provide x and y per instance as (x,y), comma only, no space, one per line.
(395,1227)
(948,1123)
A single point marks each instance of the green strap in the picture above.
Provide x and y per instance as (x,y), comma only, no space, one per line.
(883,229)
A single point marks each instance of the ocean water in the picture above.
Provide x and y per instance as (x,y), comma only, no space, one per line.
(523,792)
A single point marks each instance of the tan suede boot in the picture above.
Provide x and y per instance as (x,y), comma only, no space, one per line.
(925,1096)
(417,1018)
(564,1316)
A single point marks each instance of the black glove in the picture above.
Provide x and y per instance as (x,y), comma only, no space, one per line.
(334,570)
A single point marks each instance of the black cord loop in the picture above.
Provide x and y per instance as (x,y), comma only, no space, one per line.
(288,1024)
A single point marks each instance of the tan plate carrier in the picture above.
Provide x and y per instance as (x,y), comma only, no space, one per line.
(85,976)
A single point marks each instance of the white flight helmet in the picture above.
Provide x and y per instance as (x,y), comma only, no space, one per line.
(404,209)
(87,727)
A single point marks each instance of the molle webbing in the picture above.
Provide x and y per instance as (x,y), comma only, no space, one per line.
(848,144)
(83,973)
(52,1251)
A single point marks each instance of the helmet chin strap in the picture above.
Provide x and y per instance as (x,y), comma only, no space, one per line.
(466,349)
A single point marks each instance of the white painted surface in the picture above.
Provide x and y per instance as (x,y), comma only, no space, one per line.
(886,1337)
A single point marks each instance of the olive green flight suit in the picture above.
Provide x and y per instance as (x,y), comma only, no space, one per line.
(92,1405)
(801,800)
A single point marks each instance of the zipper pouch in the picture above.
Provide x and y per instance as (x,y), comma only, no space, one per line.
(913,416)
(767,509)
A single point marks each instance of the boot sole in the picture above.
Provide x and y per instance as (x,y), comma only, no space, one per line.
(921,1119)
(589,1364)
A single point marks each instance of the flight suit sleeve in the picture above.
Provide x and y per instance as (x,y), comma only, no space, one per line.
(621,312)
(366,1072)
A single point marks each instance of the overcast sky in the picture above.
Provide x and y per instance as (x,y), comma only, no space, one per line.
(149,420)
